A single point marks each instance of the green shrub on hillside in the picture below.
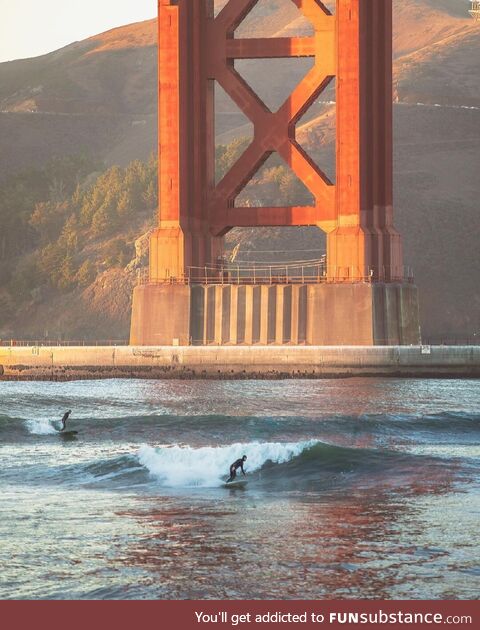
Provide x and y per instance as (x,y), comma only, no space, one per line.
(274,184)
(118,253)
(25,279)
(110,202)
(51,214)
(43,187)
(86,274)
(48,219)
(6,307)
(61,225)
(227,155)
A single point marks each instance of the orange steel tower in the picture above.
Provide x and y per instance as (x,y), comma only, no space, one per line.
(362,297)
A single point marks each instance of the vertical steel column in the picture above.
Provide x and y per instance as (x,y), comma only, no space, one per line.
(365,243)
(185,142)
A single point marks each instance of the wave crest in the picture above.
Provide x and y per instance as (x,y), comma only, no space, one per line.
(40,427)
(184,466)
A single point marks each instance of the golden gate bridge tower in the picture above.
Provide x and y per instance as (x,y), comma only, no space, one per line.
(362,296)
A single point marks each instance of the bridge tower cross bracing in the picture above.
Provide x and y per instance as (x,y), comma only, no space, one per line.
(364,271)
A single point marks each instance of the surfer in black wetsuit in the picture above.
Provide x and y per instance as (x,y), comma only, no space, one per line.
(64,419)
(233,468)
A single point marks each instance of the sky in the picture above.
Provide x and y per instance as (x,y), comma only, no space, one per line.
(29,28)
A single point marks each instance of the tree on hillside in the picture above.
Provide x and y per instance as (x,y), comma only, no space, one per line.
(48,218)
(86,274)
(227,155)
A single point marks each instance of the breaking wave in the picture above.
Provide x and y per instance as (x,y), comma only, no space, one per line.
(41,427)
(183,466)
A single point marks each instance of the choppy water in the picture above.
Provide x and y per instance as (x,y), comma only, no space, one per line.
(364,488)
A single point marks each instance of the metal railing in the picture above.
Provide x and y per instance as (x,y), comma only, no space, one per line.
(447,340)
(36,343)
(473,340)
(303,272)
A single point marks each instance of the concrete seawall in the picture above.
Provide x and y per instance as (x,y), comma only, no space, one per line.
(230,362)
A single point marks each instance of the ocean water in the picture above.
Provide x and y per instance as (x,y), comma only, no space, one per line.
(359,488)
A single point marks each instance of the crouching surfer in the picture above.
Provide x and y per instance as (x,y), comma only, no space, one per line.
(66,415)
(235,466)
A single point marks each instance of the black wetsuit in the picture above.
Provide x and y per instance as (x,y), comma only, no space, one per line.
(64,420)
(233,469)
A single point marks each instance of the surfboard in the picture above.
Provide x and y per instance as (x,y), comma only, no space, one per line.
(68,433)
(240,483)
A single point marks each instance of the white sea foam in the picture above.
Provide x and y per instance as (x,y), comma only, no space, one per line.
(41,427)
(183,466)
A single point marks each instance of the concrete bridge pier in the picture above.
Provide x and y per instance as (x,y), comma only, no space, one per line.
(327,314)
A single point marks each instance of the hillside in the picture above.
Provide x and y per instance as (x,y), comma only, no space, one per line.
(420,23)
(99,95)
(97,98)
(445,72)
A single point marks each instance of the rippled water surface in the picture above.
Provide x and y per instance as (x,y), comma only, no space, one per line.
(360,488)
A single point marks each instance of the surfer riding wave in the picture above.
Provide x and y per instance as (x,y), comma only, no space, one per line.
(233,468)
(66,415)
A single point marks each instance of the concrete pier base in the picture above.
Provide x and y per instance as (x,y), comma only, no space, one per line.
(363,314)
(161,315)
(360,314)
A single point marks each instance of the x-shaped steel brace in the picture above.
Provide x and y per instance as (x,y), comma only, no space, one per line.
(273,131)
